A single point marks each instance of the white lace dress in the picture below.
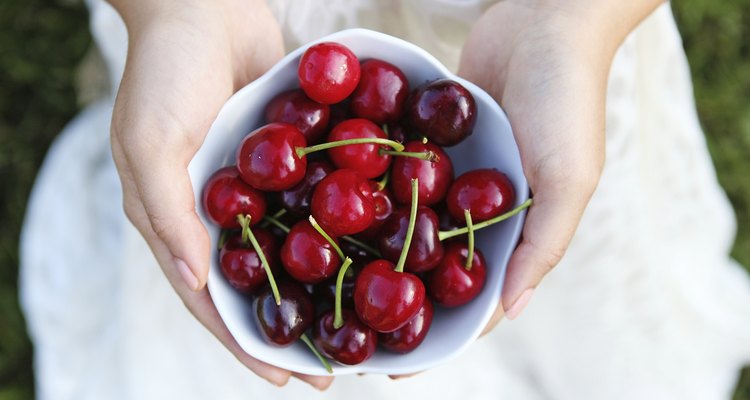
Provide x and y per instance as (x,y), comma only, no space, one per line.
(645,305)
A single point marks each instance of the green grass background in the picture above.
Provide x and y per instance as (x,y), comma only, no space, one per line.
(43,41)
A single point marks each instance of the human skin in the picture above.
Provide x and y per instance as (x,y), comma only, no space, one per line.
(544,61)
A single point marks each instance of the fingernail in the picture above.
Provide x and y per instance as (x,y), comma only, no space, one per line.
(279,379)
(515,310)
(187,275)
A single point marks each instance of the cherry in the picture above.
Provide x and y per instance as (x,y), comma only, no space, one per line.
(383,201)
(425,251)
(294,107)
(268,160)
(225,196)
(434,176)
(342,203)
(297,198)
(411,335)
(350,344)
(451,284)
(366,158)
(325,291)
(281,325)
(240,263)
(381,93)
(339,113)
(443,111)
(396,132)
(328,72)
(307,256)
(486,192)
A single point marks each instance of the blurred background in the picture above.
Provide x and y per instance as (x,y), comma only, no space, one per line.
(45,53)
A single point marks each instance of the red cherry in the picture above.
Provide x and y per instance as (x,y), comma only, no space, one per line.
(384,206)
(267,158)
(443,111)
(451,284)
(381,93)
(385,299)
(297,198)
(294,107)
(351,344)
(307,256)
(486,193)
(240,263)
(225,196)
(411,335)
(363,158)
(328,72)
(281,325)
(434,176)
(342,203)
(425,251)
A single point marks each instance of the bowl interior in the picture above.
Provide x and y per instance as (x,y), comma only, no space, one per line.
(491,145)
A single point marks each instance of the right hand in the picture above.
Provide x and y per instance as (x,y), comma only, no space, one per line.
(185,59)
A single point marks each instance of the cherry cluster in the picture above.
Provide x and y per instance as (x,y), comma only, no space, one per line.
(350,175)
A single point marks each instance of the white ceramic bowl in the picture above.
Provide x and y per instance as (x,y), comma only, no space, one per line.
(491,145)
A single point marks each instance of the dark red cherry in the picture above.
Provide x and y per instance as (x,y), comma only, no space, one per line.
(486,193)
(297,198)
(267,157)
(307,256)
(397,132)
(363,158)
(342,203)
(325,292)
(425,251)
(294,107)
(339,113)
(384,206)
(281,325)
(434,176)
(411,335)
(443,111)
(451,284)
(328,72)
(240,263)
(226,195)
(351,344)
(385,299)
(381,93)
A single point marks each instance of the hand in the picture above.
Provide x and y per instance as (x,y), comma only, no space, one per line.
(184,61)
(547,64)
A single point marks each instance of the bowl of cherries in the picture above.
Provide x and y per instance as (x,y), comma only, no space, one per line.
(363,203)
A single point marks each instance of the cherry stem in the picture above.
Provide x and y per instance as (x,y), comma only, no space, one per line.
(223,237)
(362,245)
(442,235)
(248,234)
(426,155)
(278,214)
(327,237)
(383,182)
(276,223)
(315,351)
(303,151)
(412,222)
(470,226)
(338,320)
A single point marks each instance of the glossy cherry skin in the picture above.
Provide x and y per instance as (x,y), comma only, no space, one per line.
(381,93)
(486,193)
(451,284)
(240,263)
(226,195)
(363,158)
(351,344)
(443,111)
(384,206)
(307,256)
(294,107)
(425,251)
(267,159)
(434,177)
(325,292)
(297,198)
(342,203)
(386,300)
(411,335)
(328,72)
(282,325)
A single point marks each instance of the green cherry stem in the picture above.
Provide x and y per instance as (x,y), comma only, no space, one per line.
(383,182)
(315,351)
(470,226)
(303,151)
(248,234)
(275,222)
(442,235)
(410,229)
(427,155)
(338,320)
(327,237)
(279,214)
